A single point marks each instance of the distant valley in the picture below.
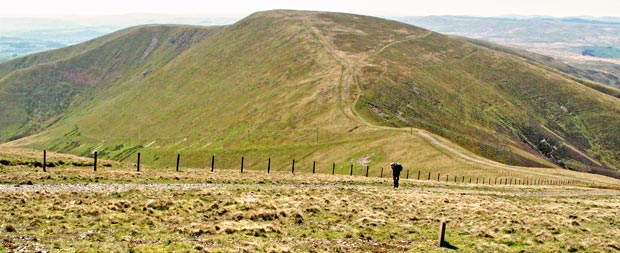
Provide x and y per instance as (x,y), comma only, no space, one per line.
(591,44)
(23,36)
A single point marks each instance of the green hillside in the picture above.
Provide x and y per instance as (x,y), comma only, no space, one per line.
(40,89)
(306,86)
(596,75)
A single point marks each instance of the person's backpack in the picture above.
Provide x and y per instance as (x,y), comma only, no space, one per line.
(398,167)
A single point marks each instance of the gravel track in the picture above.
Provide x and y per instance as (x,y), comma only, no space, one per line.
(112,187)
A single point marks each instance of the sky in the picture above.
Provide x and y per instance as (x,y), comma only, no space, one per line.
(556,8)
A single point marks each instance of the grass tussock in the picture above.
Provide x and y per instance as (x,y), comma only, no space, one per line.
(320,215)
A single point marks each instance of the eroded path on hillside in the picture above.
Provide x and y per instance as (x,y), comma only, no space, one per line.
(350,92)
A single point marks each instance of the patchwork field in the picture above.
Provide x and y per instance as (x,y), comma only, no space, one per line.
(195,210)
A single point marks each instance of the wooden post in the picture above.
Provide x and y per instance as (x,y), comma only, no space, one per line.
(317,136)
(470,180)
(293,167)
(44,160)
(407,174)
(268,165)
(476,180)
(429,176)
(381,172)
(446,178)
(438,174)
(463,181)
(367,167)
(442,233)
(313,166)
(138,160)
(455,179)
(495,181)
(333,168)
(95,162)
(178,160)
(351,172)
(419,171)
(242,158)
(212,163)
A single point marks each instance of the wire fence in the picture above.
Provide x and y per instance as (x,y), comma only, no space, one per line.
(215,165)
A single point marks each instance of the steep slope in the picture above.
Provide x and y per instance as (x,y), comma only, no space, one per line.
(489,102)
(584,43)
(598,77)
(333,87)
(37,90)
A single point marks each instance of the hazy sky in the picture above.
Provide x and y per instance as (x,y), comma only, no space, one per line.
(55,8)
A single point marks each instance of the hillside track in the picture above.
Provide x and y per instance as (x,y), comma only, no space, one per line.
(413,186)
(350,78)
(349,84)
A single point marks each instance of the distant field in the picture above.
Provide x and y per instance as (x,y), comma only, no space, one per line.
(598,51)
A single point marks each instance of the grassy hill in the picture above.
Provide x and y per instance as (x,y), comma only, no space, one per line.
(587,44)
(308,86)
(40,89)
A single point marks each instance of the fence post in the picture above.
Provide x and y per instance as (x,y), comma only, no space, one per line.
(407,174)
(138,164)
(470,180)
(367,167)
(242,164)
(442,231)
(446,178)
(429,176)
(293,167)
(333,168)
(476,180)
(313,166)
(178,160)
(351,172)
(44,160)
(268,165)
(381,172)
(455,179)
(419,171)
(463,180)
(212,163)
(95,162)
(438,174)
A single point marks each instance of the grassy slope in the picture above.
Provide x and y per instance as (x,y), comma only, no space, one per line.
(262,87)
(596,76)
(38,90)
(436,83)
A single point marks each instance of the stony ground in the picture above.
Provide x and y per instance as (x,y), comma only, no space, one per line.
(227,212)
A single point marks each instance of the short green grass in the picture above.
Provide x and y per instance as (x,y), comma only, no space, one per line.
(310,74)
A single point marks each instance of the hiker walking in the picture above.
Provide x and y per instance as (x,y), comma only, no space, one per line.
(396,169)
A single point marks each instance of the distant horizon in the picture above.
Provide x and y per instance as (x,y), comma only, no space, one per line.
(222,15)
(242,8)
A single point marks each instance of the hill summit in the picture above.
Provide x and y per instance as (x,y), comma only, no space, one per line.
(305,85)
